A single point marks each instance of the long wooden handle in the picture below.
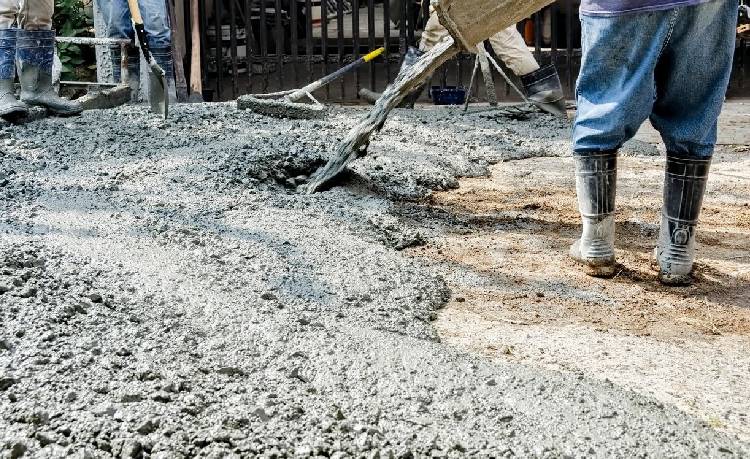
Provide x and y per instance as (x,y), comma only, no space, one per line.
(135,11)
(315,85)
(196,85)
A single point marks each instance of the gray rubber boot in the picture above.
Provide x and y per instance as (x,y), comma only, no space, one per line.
(134,70)
(10,108)
(684,188)
(35,50)
(596,183)
(543,88)
(163,57)
(412,55)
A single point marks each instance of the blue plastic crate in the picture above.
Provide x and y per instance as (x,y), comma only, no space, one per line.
(448,95)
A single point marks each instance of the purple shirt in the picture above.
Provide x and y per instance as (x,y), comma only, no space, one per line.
(619,7)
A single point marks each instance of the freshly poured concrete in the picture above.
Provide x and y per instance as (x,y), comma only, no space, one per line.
(167,292)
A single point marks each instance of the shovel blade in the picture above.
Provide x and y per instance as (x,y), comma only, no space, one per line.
(157,89)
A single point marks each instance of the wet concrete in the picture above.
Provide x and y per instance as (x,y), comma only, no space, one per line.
(165,291)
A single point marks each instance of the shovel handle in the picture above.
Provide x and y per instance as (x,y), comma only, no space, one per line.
(140,30)
(135,11)
(314,86)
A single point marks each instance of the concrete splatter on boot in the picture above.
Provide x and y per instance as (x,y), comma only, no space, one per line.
(684,188)
(35,51)
(10,108)
(596,182)
(163,57)
(543,88)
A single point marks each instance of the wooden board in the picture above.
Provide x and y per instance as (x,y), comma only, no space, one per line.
(473,21)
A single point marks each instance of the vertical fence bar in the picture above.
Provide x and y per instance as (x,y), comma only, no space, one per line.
(387,38)
(309,37)
(279,39)
(295,37)
(219,50)
(553,28)
(743,72)
(371,38)
(569,42)
(233,47)
(409,20)
(204,38)
(402,29)
(324,41)
(186,26)
(538,35)
(355,43)
(340,41)
(264,42)
(249,45)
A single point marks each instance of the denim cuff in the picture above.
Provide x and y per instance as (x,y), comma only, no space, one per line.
(8,38)
(37,48)
(35,39)
(163,57)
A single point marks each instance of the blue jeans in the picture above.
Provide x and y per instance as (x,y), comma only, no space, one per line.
(155,20)
(671,66)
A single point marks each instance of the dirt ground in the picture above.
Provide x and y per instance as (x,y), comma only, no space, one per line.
(518,297)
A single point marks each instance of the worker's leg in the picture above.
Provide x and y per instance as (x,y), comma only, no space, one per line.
(118,24)
(691,82)
(509,46)
(433,33)
(36,14)
(10,108)
(541,85)
(35,50)
(615,95)
(156,23)
(9,10)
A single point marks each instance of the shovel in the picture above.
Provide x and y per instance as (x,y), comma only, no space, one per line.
(157,86)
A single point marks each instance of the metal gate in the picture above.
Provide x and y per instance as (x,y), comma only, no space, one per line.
(271,45)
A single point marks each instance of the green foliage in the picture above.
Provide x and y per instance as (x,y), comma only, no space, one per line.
(70,20)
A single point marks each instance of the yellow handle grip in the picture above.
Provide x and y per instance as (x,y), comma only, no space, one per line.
(372,55)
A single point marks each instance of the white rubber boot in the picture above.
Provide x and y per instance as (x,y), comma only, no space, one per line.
(596,183)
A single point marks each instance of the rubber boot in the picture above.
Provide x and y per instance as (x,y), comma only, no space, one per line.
(543,88)
(596,183)
(163,57)
(134,70)
(684,188)
(10,108)
(35,51)
(412,55)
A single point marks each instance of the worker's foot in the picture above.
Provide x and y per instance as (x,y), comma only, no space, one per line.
(35,50)
(543,88)
(596,179)
(10,108)
(597,256)
(684,187)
